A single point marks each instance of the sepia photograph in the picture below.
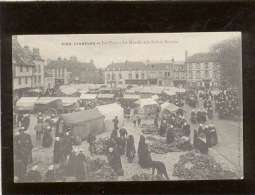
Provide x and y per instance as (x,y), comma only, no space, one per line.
(127,107)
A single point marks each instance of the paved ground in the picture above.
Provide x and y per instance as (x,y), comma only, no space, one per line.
(228,151)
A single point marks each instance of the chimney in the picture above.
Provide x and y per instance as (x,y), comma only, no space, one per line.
(186,55)
(36,52)
(172,60)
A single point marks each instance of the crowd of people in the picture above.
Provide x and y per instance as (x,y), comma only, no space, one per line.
(50,131)
(227,104)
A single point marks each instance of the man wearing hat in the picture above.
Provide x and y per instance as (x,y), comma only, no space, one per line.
(67,143)
(58,150)
(170,135)
(25,121)
(47,139)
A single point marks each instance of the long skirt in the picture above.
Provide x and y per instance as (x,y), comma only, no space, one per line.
(47,140)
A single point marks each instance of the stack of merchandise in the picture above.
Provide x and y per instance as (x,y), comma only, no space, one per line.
(102,145)
(196,166)
(149,129)
(105,173)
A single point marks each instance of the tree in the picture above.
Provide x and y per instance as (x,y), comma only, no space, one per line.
(229,53)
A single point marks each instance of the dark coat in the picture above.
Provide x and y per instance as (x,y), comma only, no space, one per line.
(58,151)
(47,139)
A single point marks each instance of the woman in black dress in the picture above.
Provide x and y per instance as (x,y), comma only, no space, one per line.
(130,148)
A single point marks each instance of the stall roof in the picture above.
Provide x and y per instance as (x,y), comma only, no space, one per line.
(155,97)
(88,96)
(146,101)
(169,106)
(68,100)
(170,92)
(131,96)
(151,90)
(26,103)
(46,100)
(105,96)
(82,116)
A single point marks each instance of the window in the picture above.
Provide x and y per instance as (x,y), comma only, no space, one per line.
(206,65)
(26,80)
(39,69)
(27,69)
(19,81)
(206,74)
(190,74)
(142,75)
(137,76)
(21,68)
(39,79)
(35,79)
(130,75)
(108,76)
(120,76)
(165,74)
(113,76)
(168,74)
(197,66)
(198,74)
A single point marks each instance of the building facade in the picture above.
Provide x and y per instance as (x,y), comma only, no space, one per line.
(65,71)
(125,73)
(179,74)
(57,71)
(203,70)
(38,72)
(139,73)
(22,68)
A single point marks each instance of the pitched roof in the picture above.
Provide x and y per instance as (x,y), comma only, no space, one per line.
(128,65)
(202,57)
(71,64)
(21,56)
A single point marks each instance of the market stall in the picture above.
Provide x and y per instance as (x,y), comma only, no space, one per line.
(88,100)
(109,111)
(168,108)
(84,122)
(70,104)
(48,105)
(25,104)
(105,98)
(147,107)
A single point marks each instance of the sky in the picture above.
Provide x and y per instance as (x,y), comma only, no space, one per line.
(104,49)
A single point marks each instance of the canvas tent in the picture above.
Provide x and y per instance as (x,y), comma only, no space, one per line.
(109,111)
(88,96)
(84,122)
(169,107)
(147,106)
(26,103)
(70,103)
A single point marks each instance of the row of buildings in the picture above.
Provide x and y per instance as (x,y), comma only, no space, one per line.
(199,70)
(30,71)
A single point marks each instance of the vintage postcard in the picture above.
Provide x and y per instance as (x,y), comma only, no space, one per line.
(127,107)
